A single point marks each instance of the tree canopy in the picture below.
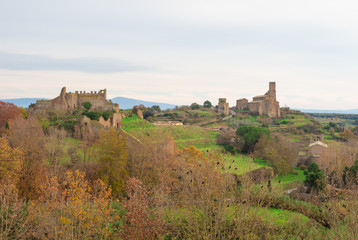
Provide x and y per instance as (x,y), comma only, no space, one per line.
(315,178)
(251,136)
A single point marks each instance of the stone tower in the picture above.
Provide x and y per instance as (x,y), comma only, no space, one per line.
(223,106)
(272,90)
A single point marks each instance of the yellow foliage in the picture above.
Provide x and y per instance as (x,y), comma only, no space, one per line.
(73,209)
(11,160)
(113,158)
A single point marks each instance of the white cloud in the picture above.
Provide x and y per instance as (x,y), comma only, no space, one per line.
(196,50)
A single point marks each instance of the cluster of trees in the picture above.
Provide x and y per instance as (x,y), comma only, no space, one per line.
(107,184)
(207,104)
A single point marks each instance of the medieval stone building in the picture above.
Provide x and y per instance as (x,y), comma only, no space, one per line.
(315,153)
(70,101)
(263,104)
(223,106)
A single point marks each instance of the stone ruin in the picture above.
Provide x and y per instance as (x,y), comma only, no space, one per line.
(263,104)
(69,101)
(223,106)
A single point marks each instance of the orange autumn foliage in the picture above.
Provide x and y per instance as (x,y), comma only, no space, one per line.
(8,111)
(141,222)
(11,162)
(73,209)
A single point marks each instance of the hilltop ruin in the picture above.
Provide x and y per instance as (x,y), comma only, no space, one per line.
(69,101)
(263,104)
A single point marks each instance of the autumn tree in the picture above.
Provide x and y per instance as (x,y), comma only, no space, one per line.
(278,151)
(11,162)
(8,111)
(205,192)
(54,142)
(88,132)
(140,221)
(28,135)
(152,158)
(73,209)
(113,158)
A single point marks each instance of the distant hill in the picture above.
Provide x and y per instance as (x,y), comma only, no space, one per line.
(22,102)
(351,111)
(128,103)
(124,103)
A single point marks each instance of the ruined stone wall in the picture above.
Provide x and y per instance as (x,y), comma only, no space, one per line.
(116,120)
(72,100)
(223,106)
(104,123)
(43,104)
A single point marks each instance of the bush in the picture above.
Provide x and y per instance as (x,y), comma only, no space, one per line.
(87,105)
(207,104)
(302,167)
(315,178)
(156,108)
(96,115)
(194,106)
(148,113)
(251,135)
(106,115)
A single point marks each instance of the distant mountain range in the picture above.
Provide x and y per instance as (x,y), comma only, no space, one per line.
(22,102)
(351,111)
(128,103)
(124,103)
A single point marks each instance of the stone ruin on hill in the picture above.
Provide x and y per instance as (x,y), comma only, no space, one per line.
(68,101)
(260,105)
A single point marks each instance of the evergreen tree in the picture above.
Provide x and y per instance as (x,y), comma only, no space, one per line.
(315,179)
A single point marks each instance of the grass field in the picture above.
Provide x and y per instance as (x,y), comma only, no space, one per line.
(240,164)
(280,217)
(184,136)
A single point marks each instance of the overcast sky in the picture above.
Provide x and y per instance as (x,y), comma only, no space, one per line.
(182,51)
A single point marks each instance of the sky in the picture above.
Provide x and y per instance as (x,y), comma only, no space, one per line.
(180,52)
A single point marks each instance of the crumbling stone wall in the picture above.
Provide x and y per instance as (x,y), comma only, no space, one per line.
(138,112)
(70,101)
(223,106)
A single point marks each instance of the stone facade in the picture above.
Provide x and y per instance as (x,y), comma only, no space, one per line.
(223,106)
(69,101)
(114,121)
(262,104)
(242,104)
(316,152)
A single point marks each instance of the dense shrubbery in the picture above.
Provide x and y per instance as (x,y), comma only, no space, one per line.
(111,185)
(315,179)
(251,136)
(96,115)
